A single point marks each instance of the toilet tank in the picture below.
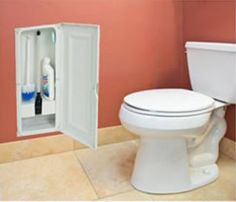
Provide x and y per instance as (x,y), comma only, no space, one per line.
(212,69)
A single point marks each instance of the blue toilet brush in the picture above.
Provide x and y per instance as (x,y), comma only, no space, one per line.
(28,89)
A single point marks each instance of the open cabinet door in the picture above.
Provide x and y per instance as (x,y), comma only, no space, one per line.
(79,53)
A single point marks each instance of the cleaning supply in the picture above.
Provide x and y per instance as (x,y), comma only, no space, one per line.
(38,100)
(47,79)
(28,89)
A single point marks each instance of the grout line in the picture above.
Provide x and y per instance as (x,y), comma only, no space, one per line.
(115,194)
(90,180)
(133,189)
(85,172)
(123,192)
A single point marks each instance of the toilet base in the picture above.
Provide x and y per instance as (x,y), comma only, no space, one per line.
(161,166)
(203,175)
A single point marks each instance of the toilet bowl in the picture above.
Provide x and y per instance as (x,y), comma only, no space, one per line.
(180,129)
(169,132)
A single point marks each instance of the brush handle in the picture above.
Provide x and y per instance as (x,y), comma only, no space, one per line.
(27,61)
(38,61)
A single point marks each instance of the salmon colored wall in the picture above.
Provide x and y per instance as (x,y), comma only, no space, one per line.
(207,20)
(141,47)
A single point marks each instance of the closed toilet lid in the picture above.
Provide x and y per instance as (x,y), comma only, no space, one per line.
(169,100)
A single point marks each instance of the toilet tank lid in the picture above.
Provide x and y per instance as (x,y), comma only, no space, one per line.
(215,46)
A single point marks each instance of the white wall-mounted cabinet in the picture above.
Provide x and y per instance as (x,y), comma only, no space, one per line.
(74,53)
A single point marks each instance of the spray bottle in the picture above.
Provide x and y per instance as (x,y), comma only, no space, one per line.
(47,79)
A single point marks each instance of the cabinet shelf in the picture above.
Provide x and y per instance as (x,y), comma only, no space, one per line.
(38,124)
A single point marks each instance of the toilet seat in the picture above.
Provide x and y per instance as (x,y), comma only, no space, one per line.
(169,102)
(165,114)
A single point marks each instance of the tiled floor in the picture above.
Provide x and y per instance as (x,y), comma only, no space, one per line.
(97,175)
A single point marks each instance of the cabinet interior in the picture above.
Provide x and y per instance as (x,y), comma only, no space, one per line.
(41,123)
(41,44)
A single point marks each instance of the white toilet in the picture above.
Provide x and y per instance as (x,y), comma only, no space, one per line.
(180,129)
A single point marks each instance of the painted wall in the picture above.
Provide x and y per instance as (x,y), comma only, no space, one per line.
(207,20)
(141,47)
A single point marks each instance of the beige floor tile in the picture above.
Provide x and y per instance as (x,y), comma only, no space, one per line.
(110,167)
(53,177)
(228,147)
(61,177)
(24,149)
(128,196)
(224,188)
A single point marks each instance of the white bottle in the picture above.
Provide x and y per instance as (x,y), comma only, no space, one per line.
(47,79)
